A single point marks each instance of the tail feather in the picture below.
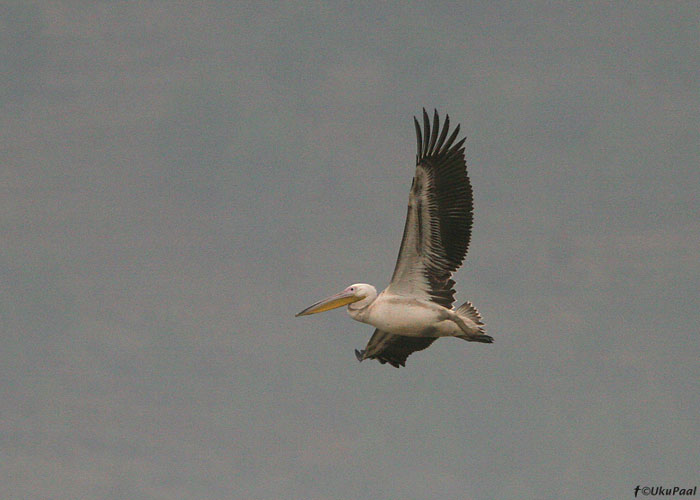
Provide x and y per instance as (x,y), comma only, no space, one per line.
(469,311)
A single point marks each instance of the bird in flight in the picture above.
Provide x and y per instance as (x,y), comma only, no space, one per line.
(417,306)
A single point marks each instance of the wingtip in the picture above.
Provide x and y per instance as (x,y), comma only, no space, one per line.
(433,138)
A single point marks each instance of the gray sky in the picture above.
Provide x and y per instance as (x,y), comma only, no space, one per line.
(179,179)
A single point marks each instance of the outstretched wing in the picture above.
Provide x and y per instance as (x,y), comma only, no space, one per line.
(439,218)
(393,349)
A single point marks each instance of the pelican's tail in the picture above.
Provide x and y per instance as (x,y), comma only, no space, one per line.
(468,311)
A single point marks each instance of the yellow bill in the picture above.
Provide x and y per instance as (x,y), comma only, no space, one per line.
(339,299)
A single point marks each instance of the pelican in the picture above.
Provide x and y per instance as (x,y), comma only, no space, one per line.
(416,308)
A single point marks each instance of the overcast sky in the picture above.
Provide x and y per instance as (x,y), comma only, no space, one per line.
(178,179)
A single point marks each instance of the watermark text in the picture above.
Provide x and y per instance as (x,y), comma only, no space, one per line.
(661,491)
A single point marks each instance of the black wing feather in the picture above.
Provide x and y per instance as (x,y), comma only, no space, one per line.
(439,219)
(393,349)
(426,130)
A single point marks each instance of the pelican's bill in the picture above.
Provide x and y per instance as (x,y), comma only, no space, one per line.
(332,302)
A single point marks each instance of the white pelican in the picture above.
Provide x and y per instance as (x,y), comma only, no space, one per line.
(416,308)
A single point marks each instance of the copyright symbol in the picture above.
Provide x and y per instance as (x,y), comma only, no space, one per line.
(646,490)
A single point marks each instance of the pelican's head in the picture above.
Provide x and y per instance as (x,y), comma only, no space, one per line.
(355,296)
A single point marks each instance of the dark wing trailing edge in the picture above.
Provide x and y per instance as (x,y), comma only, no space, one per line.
(393,349)
(439,218)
